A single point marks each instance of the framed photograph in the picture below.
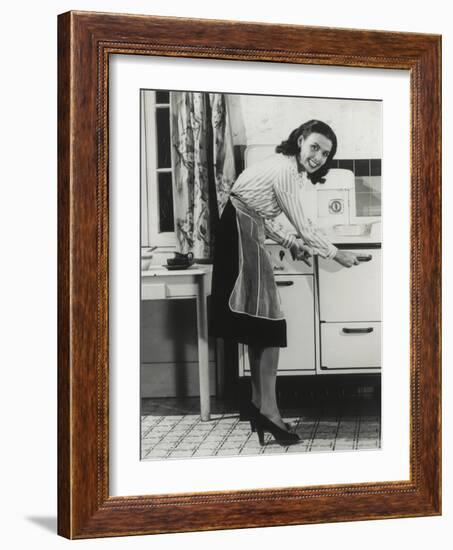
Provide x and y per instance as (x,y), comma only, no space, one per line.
(249,275)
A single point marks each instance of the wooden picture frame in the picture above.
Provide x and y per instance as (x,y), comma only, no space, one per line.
(85,41)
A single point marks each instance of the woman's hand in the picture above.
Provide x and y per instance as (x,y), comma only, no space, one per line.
(345,258)
(300,251)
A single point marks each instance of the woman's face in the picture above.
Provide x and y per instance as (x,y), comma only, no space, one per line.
(314,151)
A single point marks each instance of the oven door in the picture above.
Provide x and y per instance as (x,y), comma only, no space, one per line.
(297,299)
(351,294)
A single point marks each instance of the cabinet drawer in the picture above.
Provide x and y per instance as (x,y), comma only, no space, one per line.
(296,294)
(351,294)
(350,345)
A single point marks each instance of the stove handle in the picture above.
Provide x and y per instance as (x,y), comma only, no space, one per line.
(285,283)
(366,330)
(366,258)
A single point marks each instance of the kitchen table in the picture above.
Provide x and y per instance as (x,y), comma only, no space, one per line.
(159,283)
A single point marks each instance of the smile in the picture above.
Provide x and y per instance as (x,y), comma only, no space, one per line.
(313,164)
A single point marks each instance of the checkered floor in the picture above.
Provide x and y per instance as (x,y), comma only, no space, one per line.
(172,428)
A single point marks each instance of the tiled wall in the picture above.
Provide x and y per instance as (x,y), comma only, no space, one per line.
(367,174)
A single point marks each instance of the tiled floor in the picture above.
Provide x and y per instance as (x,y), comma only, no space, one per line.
(172,428)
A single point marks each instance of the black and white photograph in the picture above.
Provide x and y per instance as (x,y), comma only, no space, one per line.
(188,360)
(260,256)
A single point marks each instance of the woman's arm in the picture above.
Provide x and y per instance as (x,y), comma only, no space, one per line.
(275,231)
(290,202)
(299,250)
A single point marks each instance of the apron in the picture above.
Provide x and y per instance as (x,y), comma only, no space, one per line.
(255,292)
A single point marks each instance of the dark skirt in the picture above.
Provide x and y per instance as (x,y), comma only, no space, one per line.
(254,331)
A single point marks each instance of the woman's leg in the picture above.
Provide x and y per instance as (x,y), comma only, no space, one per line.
(263,368)
(254,360)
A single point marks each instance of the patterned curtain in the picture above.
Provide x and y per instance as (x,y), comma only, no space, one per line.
(203,168)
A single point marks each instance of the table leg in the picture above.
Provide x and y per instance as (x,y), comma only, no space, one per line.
(203,350)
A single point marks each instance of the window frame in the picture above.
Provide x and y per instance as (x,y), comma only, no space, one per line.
(149,170)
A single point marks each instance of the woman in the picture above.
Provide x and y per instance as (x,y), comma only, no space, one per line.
(245,301)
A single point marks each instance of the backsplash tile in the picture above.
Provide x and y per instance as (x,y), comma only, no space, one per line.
(368,195)
(362,167)
(346,164)
(375,167)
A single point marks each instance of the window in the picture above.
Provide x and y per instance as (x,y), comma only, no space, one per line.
(157,224)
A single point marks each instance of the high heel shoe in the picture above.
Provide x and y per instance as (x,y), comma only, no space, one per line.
(282,437)
(252,411)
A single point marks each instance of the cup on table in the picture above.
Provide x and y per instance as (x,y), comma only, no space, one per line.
(183,260)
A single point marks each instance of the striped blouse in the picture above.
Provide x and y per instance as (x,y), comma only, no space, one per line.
(271,187)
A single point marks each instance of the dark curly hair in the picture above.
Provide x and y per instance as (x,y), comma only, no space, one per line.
(290,147)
